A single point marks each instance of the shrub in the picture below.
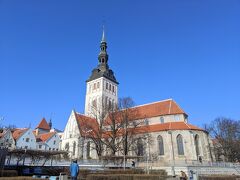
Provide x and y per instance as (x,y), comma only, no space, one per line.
(219,177)
(8,173)
(125,177)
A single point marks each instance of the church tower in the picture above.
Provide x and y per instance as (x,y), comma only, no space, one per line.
(102,86)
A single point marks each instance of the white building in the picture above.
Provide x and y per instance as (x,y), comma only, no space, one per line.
(48,141)
(6,139)
(173,138)
(24,138)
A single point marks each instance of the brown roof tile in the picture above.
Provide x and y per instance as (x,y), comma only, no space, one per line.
(169,126)
(43,125)
(44,137)
(86,123)
(17,133)
(165,107)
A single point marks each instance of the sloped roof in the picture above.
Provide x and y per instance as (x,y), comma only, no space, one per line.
(86,123)
(44,137)
(43,125)
(160,108)
(17,133)
(169,126)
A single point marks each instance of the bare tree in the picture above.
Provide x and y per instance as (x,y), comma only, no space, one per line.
(117,127)
(226,133)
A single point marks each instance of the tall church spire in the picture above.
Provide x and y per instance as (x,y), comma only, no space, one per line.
(103,56)
(103,35)
(103,70)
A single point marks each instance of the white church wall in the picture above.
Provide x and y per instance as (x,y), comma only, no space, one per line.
(166,119)
(70,135)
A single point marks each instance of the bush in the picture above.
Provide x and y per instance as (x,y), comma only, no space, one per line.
(219,177)
(8,173)
(158,172)
(18,178)
(125,177)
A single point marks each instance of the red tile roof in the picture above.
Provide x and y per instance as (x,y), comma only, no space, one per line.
(17,133)
(43,125)
(169,126)
(86,124)
(160,108)
(44,137)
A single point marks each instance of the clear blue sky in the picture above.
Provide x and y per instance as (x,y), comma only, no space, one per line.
(186,50)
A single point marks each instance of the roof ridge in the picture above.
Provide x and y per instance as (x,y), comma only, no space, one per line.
(187,125)
(170,106)
(179,107)
(170,99)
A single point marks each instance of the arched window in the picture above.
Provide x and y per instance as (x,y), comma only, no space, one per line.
(74,148)
(67,146)
(160,145)
(88,149)
(140,150)
(180,145)
(161,119)
(196,142)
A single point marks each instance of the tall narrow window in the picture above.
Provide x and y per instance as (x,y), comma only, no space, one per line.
(196,142)
(106,85)
(113,89)
(140,150)
(180,145)
(110,87)
(88,149)
(160,145)
(74,148)
(94,86)
(98,84)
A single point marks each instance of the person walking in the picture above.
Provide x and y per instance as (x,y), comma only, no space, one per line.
(183,176)
(74,169)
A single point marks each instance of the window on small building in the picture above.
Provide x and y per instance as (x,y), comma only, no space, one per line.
(98,84)
(161,119)
(50,149)
(180,145)
(26,147)
(160,145)
(54,142)
(40,146)
(27,139)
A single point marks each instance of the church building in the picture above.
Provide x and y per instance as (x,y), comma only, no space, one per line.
(173,138)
